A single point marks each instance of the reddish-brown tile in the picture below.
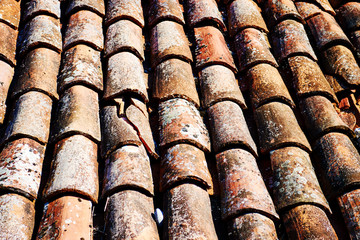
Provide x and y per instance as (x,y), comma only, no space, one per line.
(279,10)
(128,215)
(245,14)
(162,10)
(168,40)
(41,31)
(66,218)
(174,78)
(228,127)
(180,122)
(84,27)
(307,9)
(337,84)
(218,83)
(7,73)
(278,127)
(355,40)
(20,167)
(348,16)
(350,208)
(81,65)
(124,9)
(124,35)
(10,13)
(299,223)
(252,47)
(211,48)
(8,38)
(242,186)
(41,7)
(204,11)
(266,85)
(188,212)
(38,72)
(74,169)
(327,6)
(182,163)
(17,217)
(30,118)
(125,75)
(77,113)
(96,6)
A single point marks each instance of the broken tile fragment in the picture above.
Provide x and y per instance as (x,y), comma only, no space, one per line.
(10,13)
(162,10)
(349,204)
(41,7)
(124,9)
(96,6)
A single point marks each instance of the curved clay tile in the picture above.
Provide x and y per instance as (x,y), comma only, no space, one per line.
(349,204)
(355,40)
(348,16)
(41,7)
(307,9)
(124,9)
(280,10)
(163,10)
(6,76)
(8,39)
(10,13)
(96,6)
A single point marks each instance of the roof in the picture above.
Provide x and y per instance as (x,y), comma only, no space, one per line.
(168,119)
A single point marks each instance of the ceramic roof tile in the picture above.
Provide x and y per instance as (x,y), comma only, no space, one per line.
(181,163)
(84,27)
(189,213)
(41,7)
(279,10)
(129,216)
(127,167)
(74,169)
(162,10)
(37,72)
(96,6)
(204,11)
(77,113)
(307,9)
(242,187)
(349,205)
(252,47)
(168,40)
(355,40)
(245,14)
(228,128)
(348,16)
(66,217)
(30,118)
(21,166)
(10,13)
(124,9)
(337,84)
(6,77)
(215,90)
(8,38)
(17,215)
(267,85)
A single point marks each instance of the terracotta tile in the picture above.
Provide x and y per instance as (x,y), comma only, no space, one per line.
(66,218)
(17,217)
(41,7)
(299,223)
(245,14)
(168,40)
(124,35)
(180,122)
(30,118)
(252,226)
(41,31)
(338,163)
(74,169)
(339,60)
(7,73)
(20,167)
(77,113)
(124,9)
(350,208)
(174,78)
(38,72)
(129,216)
(266,85)
(84,27)
(81,65)
(326,31)
(308,79)
(228,128)
(307,9)
(326,6)
(242,186)
(127,167)
(188,212)
(289,38)
(337,84)
(278,127)
(8,43)
(355,40)
(182,163)
(10,13)
(204,11)
(321,117)
(96,6)
(252,47)
(116,131)
(162,10)
(348,16)
(211,48)
(218,83)
(279,10)
(125,75)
